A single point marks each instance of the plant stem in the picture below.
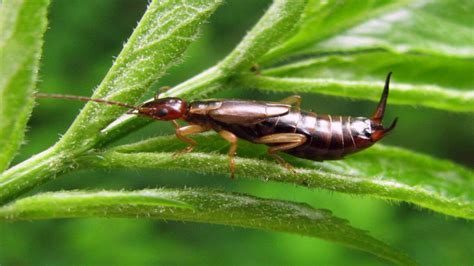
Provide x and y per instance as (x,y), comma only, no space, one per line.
(32,172)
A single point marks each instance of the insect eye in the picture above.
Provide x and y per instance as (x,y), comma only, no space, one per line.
(162,112)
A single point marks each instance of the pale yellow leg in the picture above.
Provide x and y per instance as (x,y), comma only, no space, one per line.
(182,132)
(232,139)
(288,141)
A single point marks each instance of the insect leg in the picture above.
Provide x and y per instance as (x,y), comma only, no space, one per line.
(293,100)
(286,142)
(233,148)
(182,132)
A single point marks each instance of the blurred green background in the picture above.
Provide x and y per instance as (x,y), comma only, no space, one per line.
(82,39)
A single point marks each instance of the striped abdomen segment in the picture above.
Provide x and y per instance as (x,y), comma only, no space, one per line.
(328,137)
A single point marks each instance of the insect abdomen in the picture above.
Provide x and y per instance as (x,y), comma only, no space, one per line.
(328,137)
(331,138)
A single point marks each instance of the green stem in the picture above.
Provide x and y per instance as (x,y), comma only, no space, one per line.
(32,172)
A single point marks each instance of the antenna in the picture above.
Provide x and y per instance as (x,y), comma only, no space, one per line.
(82,99)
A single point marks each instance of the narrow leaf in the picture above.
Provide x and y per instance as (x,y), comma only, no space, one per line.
(204,207)
(420,27)
(324,19)
(384,172)
(373,65)
(159,41)
(22,25)
(416,95)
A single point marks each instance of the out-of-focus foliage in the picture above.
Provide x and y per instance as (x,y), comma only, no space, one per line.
(77,55)
(22,26)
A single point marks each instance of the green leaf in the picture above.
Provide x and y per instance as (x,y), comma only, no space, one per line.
(421,27)
(158,42)
(324,19)
(204,207)
(400,26)
(373,65)
(383,172)
(418,95)
(22,25)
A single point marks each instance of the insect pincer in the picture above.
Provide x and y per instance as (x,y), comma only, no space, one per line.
(378,130)
(365,132)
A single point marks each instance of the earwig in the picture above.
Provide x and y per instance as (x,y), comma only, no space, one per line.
(282,125)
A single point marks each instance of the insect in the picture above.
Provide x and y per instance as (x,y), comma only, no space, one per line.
(280,125)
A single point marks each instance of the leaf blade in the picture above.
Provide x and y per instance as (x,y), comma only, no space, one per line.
(404,94)
(323,20)
(373,65)
(202,206)
(22,25)
(382,172)
(420,27)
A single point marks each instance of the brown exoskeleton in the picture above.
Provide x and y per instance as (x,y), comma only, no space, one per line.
(282,126)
